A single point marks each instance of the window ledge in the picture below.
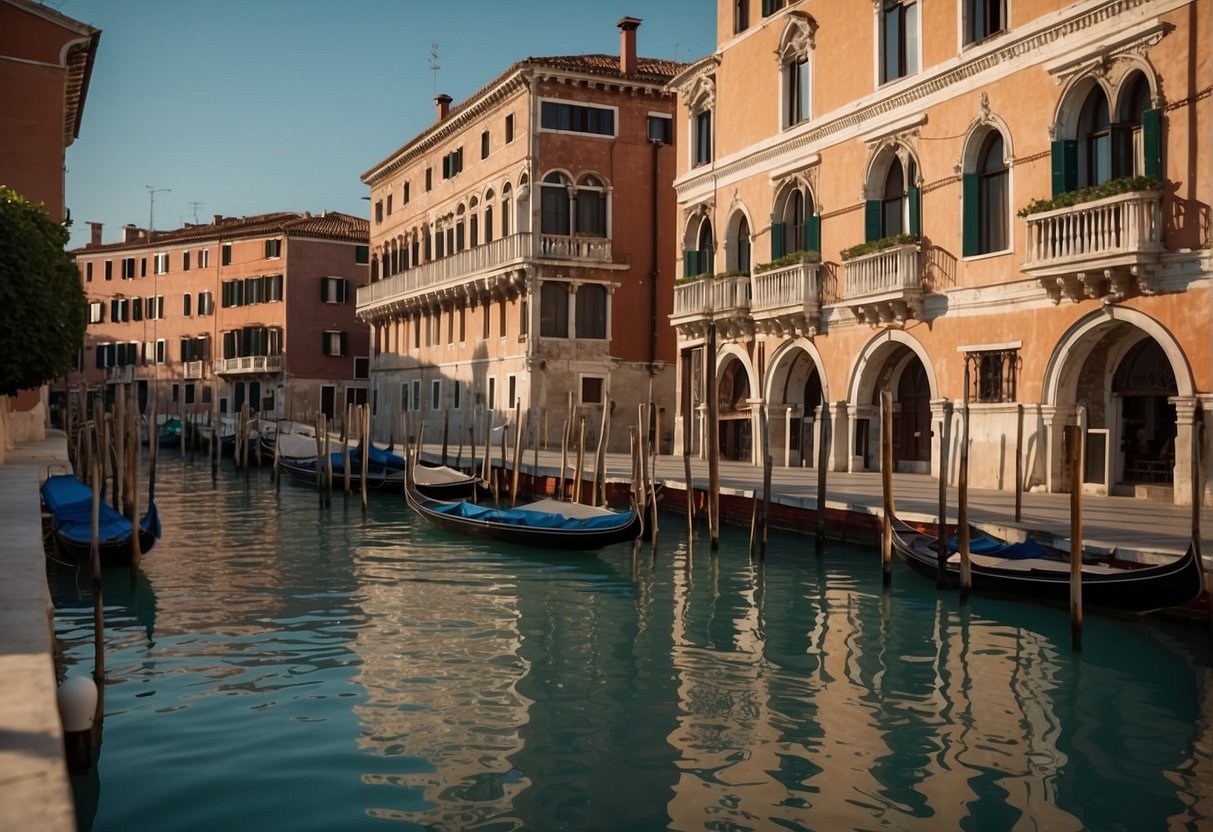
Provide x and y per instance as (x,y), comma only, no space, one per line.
(989,255)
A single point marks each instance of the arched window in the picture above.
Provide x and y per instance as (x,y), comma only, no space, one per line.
(404,254)
(986,198)
(554,204)
(1137,128)
(894,206)
(741,246)
(591,206)
(375,269)
(794,66)
(488,215)
(591,311)
(1094,140)
(705,247)
(460,230)
(798,227)
(474,222)
(506,193)
(892,202)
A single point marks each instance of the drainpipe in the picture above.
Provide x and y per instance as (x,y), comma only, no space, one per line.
(654,271)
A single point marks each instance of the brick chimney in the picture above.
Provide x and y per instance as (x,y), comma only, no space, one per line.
(442,106)
(95,233)
(627,44)
(130,233)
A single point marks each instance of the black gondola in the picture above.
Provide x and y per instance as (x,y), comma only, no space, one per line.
(548,524)
(69,504)
(378,478)
(1112,585)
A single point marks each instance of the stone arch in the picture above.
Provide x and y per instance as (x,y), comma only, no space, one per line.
(737,387)
(795,390)
(895,360)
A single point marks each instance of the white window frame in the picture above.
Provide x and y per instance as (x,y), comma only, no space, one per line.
(331,336)
(160,263)
(204,258)
(416,400)
(435,395)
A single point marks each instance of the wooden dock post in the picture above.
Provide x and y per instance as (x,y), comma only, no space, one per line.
(941,551)
(886,481)
(579,471)
(446,425)
(823,466)
(1018,463)
(347,428)
(1074,434)
(564,451)
(364,445)
(962,498)
(767,463)
(517,451)
(713,439)
(98,602)
(598,496)
(686,469)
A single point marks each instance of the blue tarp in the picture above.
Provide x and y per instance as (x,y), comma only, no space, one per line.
(985,545)
(533,519)
(70,502)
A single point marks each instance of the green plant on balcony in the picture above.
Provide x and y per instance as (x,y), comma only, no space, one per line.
(879,245)
(683,281)
(1113,187)
(790,259)
(593,235)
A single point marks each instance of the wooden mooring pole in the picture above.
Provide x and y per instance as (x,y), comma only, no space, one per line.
(962,499)
(1074,436)
(886,481)
(823,465)
(941,543)
(713,439)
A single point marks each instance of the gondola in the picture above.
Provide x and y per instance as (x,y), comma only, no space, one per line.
(442,482)
(69,503)
(1028,570)
(547,524)
(378,477)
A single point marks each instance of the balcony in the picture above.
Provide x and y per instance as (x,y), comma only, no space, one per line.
(1110,246)
(120,375)
(193,369)
(724,301)
(787,301)
(248,364)
(490,265)
(885,286)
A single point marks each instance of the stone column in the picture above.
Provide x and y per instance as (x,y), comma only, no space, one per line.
(858,413)
(1206,406)
(1056,417)
(758,451)
(1185,420)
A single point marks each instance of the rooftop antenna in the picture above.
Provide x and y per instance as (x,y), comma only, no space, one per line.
(434,64)
(151,207)
(195,206)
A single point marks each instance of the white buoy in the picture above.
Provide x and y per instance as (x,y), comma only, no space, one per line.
(77,698)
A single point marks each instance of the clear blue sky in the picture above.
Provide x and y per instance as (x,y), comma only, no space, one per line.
(249,106)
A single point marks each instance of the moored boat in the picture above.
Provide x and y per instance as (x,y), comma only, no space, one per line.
(69,503)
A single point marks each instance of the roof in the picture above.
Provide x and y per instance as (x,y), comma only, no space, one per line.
(329,225)
(654,72)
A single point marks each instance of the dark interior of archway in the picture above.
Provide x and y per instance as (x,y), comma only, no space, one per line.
(1144,381)
(735,431)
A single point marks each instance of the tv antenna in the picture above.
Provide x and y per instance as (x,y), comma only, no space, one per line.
(195,206)
(151,206)
(434,67)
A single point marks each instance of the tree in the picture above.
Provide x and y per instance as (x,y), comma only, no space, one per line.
(42,308)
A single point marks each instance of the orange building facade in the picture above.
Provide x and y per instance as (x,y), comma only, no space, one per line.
(206,318)
(515,255)
(993,205)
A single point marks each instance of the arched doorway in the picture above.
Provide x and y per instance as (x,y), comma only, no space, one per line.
(795,392)
(896,362)
(736,431)
(1143,383)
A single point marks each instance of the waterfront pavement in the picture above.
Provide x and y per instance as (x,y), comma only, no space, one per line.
(34,787)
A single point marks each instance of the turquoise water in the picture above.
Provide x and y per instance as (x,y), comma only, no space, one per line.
(279,667)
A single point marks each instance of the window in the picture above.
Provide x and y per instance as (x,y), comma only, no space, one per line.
(404,397)
(333,289)
(452,164)
(153,308)
(429,179)
(661,129)
(554,204)
(511,390)
(992,374)
(225,255)
(591,311)
(435,395)
(128,268)
(741,246)
(741,16)
(185,304)
(1095,140)
(119,310)
(143,267)
(185,261)
(698,260)
(362,255)
(1136,135)
(577,118)
(404,197)
(769,7)
(456,395)
(702,152)
(206,303)
(506,192)
(986,197)
(273,248)
(898,39)
(509,128)
(592,388)
(796,91)
(984,18)
(592,206)
(195,349)
(554,310)
(161,263)
(492,394)
(88,272)
(109,270)
(96,312)
(334,343)
(389,205)
(523,317)
(799,228)
(484,145)
(897,208)
(137,309)
(204,258)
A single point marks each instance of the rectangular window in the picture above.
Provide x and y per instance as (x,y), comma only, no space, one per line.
(189,392)
(88,272)
(435,395)
(898,39)
(362,255)
(109,269)
(741,16)
(591,311)
(204,258)
(429,179)
(523,317)
(226,255)
(509,128)
(984,18)
(143,267)
(661,129)
(362,368)
(161,263)
(333,289)
(553,311)
(484,145)
(128,268)
(993,374)
(273,249)
(492,397)
(702,152)
(389,205)
(511,391)
(378,211)
(334,343)
(416,394)
(404,397)
(185,304)
(137,308)
(96,312)
(206,303)
(404,197)
(796,87)
(185,261)
(577,118)
(591,389)
(769,7)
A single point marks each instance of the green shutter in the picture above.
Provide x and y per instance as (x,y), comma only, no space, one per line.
(871,220)
(777,244)
(345,349)
(1151,139)
(971,217)
(914,196)
(812,233)
(1065,165)
(690,263)
(766,10)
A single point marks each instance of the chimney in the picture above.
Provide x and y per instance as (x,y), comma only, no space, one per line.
(218,218)
(130,233)
(95,231)
(627,44)
(442,106)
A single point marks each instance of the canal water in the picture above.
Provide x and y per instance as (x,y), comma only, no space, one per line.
(281,667)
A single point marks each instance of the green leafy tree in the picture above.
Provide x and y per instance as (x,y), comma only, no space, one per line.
(42,308)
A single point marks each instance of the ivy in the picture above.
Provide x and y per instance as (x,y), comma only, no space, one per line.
(878,245)
(790,259)
(1113,187)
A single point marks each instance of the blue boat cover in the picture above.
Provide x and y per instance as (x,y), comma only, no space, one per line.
(533,519)
(70,502)
(986,545)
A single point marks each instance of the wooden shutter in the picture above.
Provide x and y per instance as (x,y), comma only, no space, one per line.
(871,220)
(971,216)
(812,233)
(914,198)
(1065,165)
(690,263)
(777,240)
(1151,139)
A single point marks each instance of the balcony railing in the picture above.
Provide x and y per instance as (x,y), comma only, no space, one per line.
(482,260)
(724,301)
(1096,248)
(885,285)
(249,364)
(787,301)
(193,369)
(120,375)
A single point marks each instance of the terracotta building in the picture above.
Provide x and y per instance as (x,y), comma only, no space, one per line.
(514,249)
(998,203)
(244,309)
(46,61)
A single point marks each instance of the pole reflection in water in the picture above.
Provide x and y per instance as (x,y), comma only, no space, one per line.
(310,669)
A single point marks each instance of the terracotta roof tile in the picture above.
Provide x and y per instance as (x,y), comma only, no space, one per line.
(648,69)
(330,225)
